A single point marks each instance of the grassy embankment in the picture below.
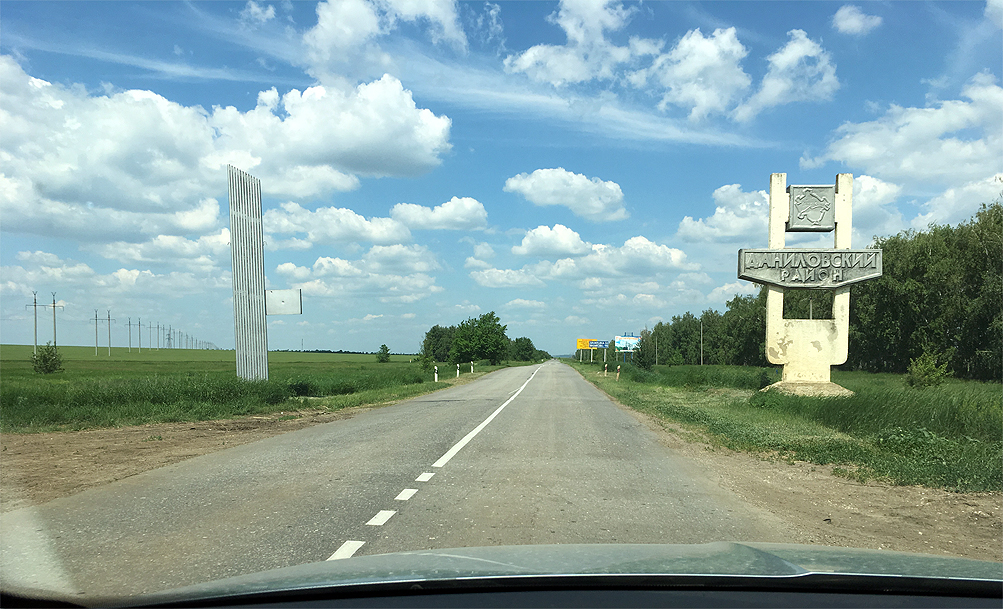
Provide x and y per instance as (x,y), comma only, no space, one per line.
(949,436)
(193,385)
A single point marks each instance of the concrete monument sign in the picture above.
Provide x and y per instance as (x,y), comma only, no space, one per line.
(808,268)
(808,347)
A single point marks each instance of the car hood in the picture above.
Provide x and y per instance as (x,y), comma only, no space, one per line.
(526,563)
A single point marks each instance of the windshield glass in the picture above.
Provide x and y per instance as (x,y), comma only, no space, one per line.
(299,282)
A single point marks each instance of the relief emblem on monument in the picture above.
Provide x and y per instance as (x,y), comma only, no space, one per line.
(812,209)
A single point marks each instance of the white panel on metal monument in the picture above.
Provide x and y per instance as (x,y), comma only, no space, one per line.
(284,302)
(247,254)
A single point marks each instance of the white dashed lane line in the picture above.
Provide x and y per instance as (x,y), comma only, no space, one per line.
(444,459)
(347,549)
(350,547)
(406,494)
(381,518)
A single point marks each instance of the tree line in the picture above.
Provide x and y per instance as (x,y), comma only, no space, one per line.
(476,339)
(940,296)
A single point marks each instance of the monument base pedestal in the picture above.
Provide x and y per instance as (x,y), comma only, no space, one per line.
(811,389)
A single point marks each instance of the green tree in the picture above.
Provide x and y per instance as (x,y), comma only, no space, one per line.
(479,338)
(522,349)
(684,340)
(438,342)
(47,359)
(715,342)
(940,292)
(644,355)
(743,328)
(383,356)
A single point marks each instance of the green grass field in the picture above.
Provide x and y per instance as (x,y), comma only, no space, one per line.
(949,436)
(186,385)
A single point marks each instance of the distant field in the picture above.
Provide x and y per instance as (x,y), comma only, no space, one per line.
(949,436)
(185,385)
(83,358)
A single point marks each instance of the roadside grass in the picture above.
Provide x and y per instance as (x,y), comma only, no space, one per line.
(945,437)
(193,385)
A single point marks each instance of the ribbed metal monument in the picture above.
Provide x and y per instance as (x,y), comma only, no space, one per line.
(247,249)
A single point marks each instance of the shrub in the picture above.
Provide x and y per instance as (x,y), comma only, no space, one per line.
(302,387)
(384,354)
(272,392)
(764,379)
(47,359)
(425,362)
(924,372)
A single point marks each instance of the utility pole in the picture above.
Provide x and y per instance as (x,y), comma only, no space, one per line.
(54,307)
(109,332)
(98,320)
(54,319)
(129,325)
(701,342)
(140,337)
(34,305)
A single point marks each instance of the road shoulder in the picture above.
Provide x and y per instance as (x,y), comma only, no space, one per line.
(39,467)
(826,509)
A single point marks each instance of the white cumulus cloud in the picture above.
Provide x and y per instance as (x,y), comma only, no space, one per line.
(849,19)
(131,165)
(332,225)
(873,209)
(800,71)
(726,292)
(389,274)
(701,73)
(994,12)
(738,217)
(459,213)
(959,203)
(593,199)
(347,36)
(522,303)
(253,14)
(588,54)
(207,252)
(557,241)
(506,278)
(950,142)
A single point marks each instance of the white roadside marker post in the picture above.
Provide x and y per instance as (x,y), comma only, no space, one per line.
(457,370)
(618,373)
(436,374)
(471,366)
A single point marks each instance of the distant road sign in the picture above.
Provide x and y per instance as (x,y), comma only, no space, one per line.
(583,343)
(627,343)
(598,344)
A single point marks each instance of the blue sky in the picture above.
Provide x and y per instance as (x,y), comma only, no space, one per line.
(582,169)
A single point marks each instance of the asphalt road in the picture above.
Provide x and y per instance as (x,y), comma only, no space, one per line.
(529,455)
